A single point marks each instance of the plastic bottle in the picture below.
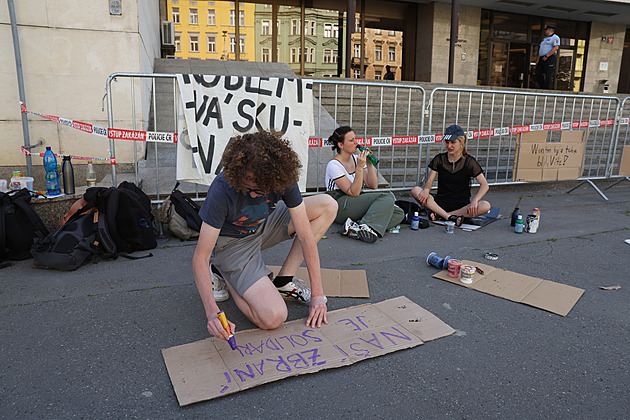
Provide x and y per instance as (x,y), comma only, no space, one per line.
(373,159)
(518,226)
(91,175)
(68,175)
(52,177)
(515,215)
(415,221)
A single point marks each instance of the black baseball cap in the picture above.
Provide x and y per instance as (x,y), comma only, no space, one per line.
(452,133)
(550,26)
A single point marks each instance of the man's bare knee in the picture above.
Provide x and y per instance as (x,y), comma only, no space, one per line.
(273,319)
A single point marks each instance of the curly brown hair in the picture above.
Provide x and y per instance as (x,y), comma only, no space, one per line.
(268,157)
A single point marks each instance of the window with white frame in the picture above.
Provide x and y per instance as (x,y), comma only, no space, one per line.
(232,17)
(178,41)
(295,57)
(232,44)
(212,42)
(193,38)
(327,30)
(377,75)
(335,31)
(295,27)
(193,17)
(311,55)
(378,31)
(327,55)
(309,27)
(266,55)
(392,53)
(335,55)
(212,20)
(357,73)
(378,52)
(175,15)
(265,28)
(391,33)
(357,50)
(241,44)
(241,17)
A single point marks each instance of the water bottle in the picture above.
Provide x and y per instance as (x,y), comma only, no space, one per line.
(518,226)
(373,159)
(68,175)
(91,175)
(415,221)
(515,215)
(52,177)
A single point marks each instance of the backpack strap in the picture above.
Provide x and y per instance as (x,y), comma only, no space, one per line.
(3,206)
(40,229)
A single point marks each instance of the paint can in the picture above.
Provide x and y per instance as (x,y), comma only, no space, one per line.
(467,274)
(450,227)
(435,260)
(454,268)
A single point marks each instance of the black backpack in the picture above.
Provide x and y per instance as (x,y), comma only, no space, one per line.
(127,211)
(187,209)
(76,242)
(107,222)
(411,207)
(19,225)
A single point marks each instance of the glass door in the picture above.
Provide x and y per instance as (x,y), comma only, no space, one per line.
(498,64)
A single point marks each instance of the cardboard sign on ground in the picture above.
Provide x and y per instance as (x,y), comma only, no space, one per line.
(537,160)
(209,368)
(337,283)
(543,294)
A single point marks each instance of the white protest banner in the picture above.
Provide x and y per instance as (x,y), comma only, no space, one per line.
(216,108)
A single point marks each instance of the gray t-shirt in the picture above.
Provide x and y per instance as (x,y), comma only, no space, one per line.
(238,214)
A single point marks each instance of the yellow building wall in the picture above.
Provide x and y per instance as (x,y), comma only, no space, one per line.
(184,28)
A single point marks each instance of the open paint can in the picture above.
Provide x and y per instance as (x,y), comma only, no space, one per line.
(454,267)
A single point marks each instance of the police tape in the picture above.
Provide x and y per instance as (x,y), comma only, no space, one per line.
(27,153)
(476,134)
(110,133)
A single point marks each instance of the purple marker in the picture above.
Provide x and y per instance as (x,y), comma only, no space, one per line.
(231,339)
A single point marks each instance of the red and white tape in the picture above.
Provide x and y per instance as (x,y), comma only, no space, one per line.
(502,131)
(26,152)
(110,133)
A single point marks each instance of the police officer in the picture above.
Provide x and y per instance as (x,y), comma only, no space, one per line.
(546,64)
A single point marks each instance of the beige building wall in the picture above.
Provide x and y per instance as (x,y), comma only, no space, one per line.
(466,49)
(606,54)
(68,50)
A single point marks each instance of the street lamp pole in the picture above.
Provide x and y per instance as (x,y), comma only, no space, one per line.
(225,56)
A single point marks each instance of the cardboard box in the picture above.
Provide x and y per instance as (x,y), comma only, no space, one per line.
(208,369)
(537,160)
(337,283)
(624,167)
(543,294)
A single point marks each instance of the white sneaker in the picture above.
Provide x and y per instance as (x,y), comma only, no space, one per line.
(348,226)
(219,288)
(298,291)
(366,234)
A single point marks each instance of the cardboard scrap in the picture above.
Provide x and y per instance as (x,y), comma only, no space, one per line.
(543,294)
(208,369)
(337,283)
(624,166)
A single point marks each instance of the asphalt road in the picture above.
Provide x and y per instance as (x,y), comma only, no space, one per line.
(87,344)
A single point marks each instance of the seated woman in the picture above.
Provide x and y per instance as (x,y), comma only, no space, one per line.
(367,215)
(454,169)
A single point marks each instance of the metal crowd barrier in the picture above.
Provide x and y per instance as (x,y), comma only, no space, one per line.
(394,115)
(620,143)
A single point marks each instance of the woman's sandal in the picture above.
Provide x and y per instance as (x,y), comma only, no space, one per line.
(434,217)
(457,219)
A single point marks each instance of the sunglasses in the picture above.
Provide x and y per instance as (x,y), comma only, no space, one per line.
(255,191)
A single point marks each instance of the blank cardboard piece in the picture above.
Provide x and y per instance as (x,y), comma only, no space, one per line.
(554,297)
(337,283)
(624,168)
(208,369)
